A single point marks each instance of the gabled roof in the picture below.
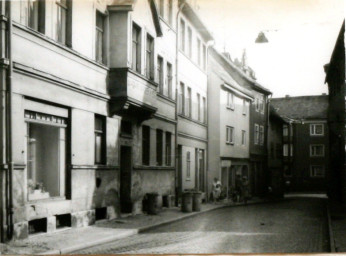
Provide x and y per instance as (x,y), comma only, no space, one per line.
(255,85)
(302,107)
(196,20)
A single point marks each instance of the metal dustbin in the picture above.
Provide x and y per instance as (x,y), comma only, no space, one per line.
(196,201)
(186,205)
(153,203)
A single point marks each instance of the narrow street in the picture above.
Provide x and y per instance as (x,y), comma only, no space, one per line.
(296,225)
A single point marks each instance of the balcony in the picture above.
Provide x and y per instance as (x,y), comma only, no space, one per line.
(132,94)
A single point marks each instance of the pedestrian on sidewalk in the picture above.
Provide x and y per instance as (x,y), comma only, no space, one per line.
(245,189)
(238,185)
(216,189)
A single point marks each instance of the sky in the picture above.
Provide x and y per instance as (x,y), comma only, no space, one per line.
(301,35)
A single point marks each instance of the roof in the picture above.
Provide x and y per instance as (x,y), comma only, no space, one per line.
(273,114)
(196,20)
(302,107)
(254,84)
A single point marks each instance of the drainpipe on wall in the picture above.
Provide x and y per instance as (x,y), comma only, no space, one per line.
(176,101)
(267,142)
(9,211)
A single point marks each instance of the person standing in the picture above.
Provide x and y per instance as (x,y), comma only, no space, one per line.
(216,189)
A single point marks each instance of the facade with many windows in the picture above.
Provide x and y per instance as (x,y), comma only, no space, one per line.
(305,141)
(193,38)
(228,124)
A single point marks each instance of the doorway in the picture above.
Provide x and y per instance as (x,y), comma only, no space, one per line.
(125,179)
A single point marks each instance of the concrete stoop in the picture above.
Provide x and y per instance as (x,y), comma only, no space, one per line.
(75,239)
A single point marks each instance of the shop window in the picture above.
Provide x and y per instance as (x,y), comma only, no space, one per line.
(168,148)
(100,140)
(188,165)
(145,145)
(159,147)
(46,155)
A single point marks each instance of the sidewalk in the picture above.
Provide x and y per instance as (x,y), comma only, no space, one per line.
(69,240)
(337,218)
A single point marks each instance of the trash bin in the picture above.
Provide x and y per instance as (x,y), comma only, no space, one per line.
(197,200)
(186,205)
(153,203)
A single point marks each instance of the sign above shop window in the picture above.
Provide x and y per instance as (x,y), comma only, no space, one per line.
(44,117)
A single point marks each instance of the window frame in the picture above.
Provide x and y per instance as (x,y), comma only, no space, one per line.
(313,172)
(199,107)
(168,148)
(182,35)
(66,35)
(188,165)
(313,150)
(149,57)
(159,147)
(230,100)
(230,138)
(243,137)
(261,135)
(102,133)
(146,145)
(313,130)
(181,99)
(100,57)
(189,41)
(136,49)
(169,74)
(244,107)
(188,107)
(256,134)
(160,66)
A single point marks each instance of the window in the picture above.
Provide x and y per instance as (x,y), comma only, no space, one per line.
(188,102)
(261,105)
(316,150)
(150,57)
(182,35)
(229,135)
(145,145)
(46,155)
(198,107)
(199,51)
(100,140)
(285,130)
(317,171)
(272,150)
(243,137)
(285,150)
(168,149)
(256,134)
(99,44)
(261,135)
(244,107)
(316,129)
(287,171)
(204,108)
(126,128)
(33,14)
(61,23)
(230,100)
(189,36)
(160,73)
(278,151)
(204,57)
(257,104)
(188,165)
(181,98)
(136,48)
(170,12)
(159,147)
(169,80)
(161,8)
(291,149)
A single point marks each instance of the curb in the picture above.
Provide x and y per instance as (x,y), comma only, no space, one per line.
(330,231)
(134,231)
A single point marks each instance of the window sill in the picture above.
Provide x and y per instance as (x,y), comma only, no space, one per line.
(165,97)
(50,199)
(230,108)
(230,143)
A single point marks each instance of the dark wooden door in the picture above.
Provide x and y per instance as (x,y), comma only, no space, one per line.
(125,179)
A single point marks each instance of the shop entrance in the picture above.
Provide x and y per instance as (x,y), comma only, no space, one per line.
(125,179)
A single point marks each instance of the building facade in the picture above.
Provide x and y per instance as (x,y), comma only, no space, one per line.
(228,124)
(275,154)
(193,38)
(305,141)
(335,77)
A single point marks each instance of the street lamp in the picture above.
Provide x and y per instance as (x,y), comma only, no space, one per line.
(261,38)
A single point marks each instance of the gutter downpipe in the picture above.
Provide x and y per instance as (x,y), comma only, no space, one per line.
(177,181)
(9,196)
(267,142)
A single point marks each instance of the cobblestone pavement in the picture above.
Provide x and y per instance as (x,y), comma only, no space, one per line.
(296,225)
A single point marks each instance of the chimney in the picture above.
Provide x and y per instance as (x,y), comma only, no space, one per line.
(287,96)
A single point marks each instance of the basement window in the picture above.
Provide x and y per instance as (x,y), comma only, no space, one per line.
(101,213)
(63,221)
(37,226)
